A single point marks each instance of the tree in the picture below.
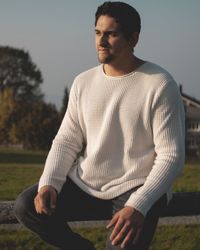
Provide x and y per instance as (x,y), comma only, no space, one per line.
(7,110)
(64,102)
(19,73)
(33,126)
(24,117)
(39,126)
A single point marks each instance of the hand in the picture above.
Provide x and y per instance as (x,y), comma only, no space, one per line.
(127,225)
(45,200)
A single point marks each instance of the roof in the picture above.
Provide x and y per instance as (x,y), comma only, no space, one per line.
(190,101)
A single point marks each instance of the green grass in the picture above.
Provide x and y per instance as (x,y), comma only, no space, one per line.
(16,177)
(20,169)
(22,156)
(177,238)
(189,180)
(166,237)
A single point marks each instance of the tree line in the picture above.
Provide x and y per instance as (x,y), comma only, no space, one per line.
(25,118)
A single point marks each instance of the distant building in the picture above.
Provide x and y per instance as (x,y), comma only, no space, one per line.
(192,112)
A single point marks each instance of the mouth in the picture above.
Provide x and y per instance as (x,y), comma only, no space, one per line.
(103,50)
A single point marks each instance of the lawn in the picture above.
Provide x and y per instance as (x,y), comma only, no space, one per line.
(20,169)
(22,156)
(166,237)
(188,181)
(16,177)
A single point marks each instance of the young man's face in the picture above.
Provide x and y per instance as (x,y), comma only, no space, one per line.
(111,45)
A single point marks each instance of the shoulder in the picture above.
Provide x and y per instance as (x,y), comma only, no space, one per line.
(161,84)
(82,80)
(88,74)
(156,72)
(157,78)
(158,84)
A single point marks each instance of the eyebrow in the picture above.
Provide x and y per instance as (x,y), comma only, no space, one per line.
(109,31)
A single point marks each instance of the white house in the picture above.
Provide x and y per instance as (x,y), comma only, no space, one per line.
(192,111)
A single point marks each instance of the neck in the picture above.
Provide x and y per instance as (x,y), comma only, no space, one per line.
(123,68)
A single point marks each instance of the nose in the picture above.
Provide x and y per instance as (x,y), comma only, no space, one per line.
(103,41)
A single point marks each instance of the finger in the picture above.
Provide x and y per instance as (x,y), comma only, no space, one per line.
(112,222)
(120,236)
(36,205)
(117,229)
(128,238)
(42,205)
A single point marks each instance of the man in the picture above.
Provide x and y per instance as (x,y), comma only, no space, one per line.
(127,117)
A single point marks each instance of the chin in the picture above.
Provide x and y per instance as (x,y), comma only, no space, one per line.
(105,60)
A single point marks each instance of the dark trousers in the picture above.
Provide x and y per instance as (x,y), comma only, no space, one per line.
(73,204)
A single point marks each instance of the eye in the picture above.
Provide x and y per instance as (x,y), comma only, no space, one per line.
(114,34)
(97,32)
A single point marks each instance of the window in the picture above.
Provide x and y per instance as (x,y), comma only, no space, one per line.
(193,125)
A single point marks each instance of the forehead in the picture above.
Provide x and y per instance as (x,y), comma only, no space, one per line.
(105,22)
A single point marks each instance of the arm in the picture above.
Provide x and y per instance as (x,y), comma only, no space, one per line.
(66,145)
(168,129)
(168,137)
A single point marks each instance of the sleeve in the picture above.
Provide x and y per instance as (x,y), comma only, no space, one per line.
(65,147)
(168,127)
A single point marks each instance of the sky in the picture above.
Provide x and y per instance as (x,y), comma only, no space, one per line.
(59,36)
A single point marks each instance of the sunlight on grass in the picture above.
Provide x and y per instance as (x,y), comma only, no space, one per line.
(16,177)
(189,179)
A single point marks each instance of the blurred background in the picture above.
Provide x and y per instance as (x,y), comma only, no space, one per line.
(59,36)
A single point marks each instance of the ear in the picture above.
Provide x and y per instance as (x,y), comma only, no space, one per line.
(134,39)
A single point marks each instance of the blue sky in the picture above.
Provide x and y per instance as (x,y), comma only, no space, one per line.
(59,35)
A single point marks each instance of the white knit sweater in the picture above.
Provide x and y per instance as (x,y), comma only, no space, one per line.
(132,127)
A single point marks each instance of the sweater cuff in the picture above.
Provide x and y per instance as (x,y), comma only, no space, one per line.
(141,204)
(50,182)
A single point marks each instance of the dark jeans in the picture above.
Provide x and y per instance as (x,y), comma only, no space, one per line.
(75,205)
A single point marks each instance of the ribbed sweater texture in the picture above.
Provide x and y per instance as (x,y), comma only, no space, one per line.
(130,130)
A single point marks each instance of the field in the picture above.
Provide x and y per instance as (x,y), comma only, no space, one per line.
(166,237)
(20,169)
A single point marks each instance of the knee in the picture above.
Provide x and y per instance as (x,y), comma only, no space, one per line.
(24,205)
(20,207)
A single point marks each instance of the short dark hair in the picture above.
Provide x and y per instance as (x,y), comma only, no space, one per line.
(125,15)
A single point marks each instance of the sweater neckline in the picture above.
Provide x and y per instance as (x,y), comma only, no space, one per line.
(122,76)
